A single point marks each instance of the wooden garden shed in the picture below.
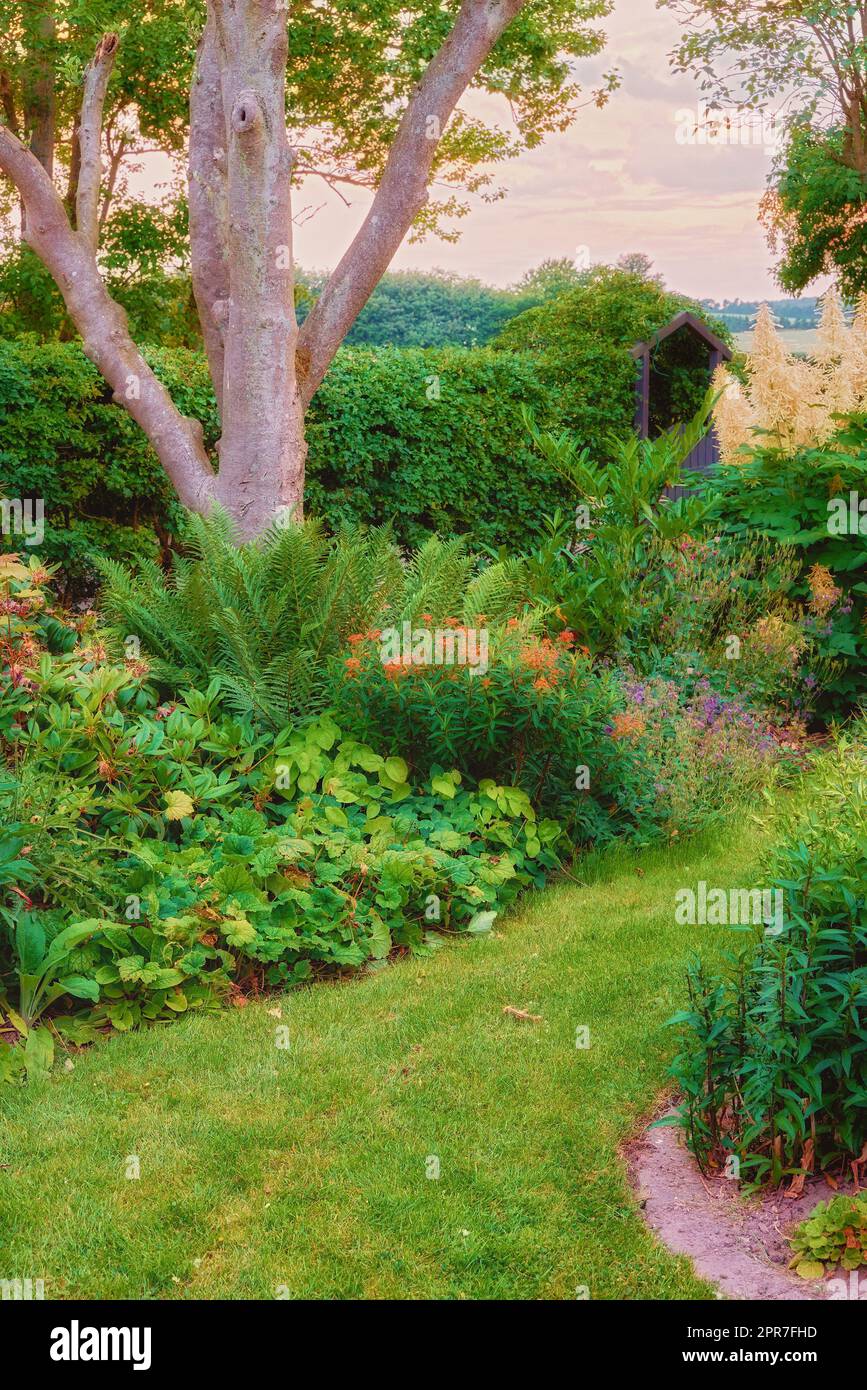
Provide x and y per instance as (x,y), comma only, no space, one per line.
(705,455)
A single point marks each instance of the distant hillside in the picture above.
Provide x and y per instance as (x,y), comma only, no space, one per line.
(739,314)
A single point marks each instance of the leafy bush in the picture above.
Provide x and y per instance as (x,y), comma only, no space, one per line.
(157,857)
(606,572)
(835,1233)
(267,617)
(774,1063)
(534,714)
(582,341)
(427,440)
(696,754)
(786,497)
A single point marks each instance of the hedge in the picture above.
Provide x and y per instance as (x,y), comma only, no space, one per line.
(432,439)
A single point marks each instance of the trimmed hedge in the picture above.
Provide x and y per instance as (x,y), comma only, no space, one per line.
(432,439)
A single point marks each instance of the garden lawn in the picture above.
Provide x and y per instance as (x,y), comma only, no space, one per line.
(270,1172)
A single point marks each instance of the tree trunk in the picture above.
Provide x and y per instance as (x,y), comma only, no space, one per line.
(240,166)
(247,295)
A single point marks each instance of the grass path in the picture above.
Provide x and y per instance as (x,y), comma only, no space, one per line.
(304,1170)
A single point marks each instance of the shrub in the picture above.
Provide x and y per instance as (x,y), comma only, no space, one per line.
(774,1063)
(533,714)
(427,440)
(698,754)
(265,618)
(606,573)
(790,498)
(582,341)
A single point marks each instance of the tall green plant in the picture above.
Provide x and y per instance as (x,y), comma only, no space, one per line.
(605,576)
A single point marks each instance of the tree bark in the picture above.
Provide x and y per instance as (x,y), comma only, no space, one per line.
(209,215)
(262,449)
(89,129)
(403,189)
(103,327)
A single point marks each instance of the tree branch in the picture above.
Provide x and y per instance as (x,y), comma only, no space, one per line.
(90,140)
(208,201)
(402,190)
(103,327)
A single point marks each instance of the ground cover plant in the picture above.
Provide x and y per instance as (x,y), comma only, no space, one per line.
(303,1168)
(833,1235)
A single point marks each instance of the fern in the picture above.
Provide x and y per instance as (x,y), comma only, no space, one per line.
(268,618)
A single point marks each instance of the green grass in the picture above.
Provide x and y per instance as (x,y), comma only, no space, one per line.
(306,1168)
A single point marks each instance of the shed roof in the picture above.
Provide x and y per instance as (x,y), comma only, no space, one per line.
(684,320)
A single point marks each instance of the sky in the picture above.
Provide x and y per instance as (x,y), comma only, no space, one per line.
(617,181)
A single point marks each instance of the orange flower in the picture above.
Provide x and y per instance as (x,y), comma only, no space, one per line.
(541,683)
(567,637)
(426,617)
(513,623)
(354,638)
(352,664)
(823,590)
(629,725)
(486,682)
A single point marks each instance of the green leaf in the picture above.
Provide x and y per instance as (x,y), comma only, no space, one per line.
(38,1052)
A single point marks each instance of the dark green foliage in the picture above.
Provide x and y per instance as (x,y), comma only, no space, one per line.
(264,618)
(433,441)
(583,340)
(790,499)
(62,439)
(428,440)
(817,214)
(412,308)
(775,1052)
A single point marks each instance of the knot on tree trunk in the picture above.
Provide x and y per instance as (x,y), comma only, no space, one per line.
(247,113)
(106,47)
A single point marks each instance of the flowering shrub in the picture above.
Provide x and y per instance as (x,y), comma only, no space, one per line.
(793,402)
(696,753)
(789,498)
(536,714)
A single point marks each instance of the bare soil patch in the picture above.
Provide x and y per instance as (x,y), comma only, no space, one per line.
(737,1243)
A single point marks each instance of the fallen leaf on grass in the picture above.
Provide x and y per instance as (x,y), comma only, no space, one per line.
(522,1013)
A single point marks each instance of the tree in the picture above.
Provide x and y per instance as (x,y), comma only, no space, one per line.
(547,280)
(810,58)
(412,308)
(383,108)
(815,215)
(637,263)
(581,341)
